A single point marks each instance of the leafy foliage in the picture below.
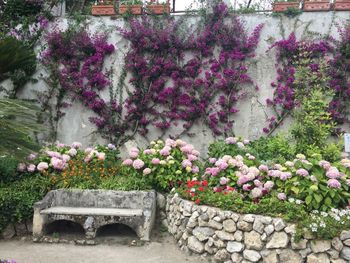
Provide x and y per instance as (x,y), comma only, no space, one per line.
(18,120)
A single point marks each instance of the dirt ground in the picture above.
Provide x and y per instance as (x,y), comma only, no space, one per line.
(162,249)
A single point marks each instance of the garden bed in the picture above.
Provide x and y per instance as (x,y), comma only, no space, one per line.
(226,235)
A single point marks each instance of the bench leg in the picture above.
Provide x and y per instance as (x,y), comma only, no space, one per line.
(39,222)
(90,228)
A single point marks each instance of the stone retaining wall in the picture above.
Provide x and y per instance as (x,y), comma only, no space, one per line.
(230,237)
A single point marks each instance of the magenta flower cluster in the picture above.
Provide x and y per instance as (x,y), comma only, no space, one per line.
(171,89)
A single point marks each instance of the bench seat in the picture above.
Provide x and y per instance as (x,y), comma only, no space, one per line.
(91,211)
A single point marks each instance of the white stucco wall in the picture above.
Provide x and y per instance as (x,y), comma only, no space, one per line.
(251,118)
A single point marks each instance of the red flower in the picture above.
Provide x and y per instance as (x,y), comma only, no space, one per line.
(205,183)
(201,189)
(197,201)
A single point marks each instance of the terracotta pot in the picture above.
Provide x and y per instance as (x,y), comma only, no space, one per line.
(102,10)
(158,9)
(342,5)
(317,6)
(134,9)
(283,6)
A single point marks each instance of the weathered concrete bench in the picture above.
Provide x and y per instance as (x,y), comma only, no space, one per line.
(93,209)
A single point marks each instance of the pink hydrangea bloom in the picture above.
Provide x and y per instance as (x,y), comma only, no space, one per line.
(302,172)
(155,161)
(76,145)
(165,151)
(313,178)
(221,164)
(223,180)
(146,171)
(101,156)
(196,153)
(214,171)
(263,168)
(231,140)
(138,164)
(186,163)
(88,150)
(256,192)
(195,169)
(257,183)
(31,168)
(133,154)
(21,167)
(31,157)
(251,157)
(60,145)
(127,162)
(269,185)
(192,157)
(170,142)
(42,166)
(58,164)
(212,160)
(147,151)
(254,170)
(282,196)
(324,164)
(333,173)
(72,152)
(285,175)
(246,187)
(53,154)
(65,157)
(187,149)
(333,183)
(111,146)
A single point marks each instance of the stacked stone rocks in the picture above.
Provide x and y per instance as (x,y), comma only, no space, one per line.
(231,237)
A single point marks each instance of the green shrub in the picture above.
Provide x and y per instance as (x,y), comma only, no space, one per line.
(8,170)
(230,146)
(17,199)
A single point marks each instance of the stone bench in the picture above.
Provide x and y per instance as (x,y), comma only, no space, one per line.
(93,209)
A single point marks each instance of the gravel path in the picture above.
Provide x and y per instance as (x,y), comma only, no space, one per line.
(154,252)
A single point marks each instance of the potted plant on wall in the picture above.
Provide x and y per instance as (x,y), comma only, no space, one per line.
(281,6)
(342,5)
(131,6)
(158,7)
(317,5)
(103,7)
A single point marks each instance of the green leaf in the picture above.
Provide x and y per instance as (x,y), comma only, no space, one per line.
(308,199)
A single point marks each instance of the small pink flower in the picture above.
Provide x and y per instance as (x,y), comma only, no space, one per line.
(31,168)
(42,166)
(231,140)
(302,172)
(146,171)
(31,157)
(195,169)
(60,145)
(138,164)
(246,141)
(256,193)
(269,185)
(147,151)
(54,154)
(324,164)
(127,162)
(214,171)
(333,183)
(212,160)
(285,175)
(251,157)
(111,146)
(155,161)
(257,183)
(58,164)
(170,142)
(65,157)
(187,149)
(165,151)
(101,156)
(186,163)
(192,157)
(263,168)
(221,164)
(72,152)
(133,154)
(195,152)
(333,173)
(21,167)
(76,145)
(88,150)
(223,180)
(281,196)
(246,187)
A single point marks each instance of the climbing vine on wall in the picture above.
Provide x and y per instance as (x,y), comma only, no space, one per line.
(179,76)
(171,88)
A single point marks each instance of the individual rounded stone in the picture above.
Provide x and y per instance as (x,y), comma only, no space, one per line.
(339,260)
(269,229)
(258,226)
(225,235)
(248,218)
(345,253)
(301,244)
(290,229)
(333,253)
(252,240)
(289,256)
(278,240)
(319,246)
(279,224)
(219,243)
(195,245)
(344,235)
(233,247)
(203,233)
(229,225)
(347,242)
(209,249)
(215,225)
(244,226)
(251,255)
(161,201)
(269,256)
(221,255)
(236,257)
(217,219)
(235,217)
(318,258)
(337,244)
(238,235)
